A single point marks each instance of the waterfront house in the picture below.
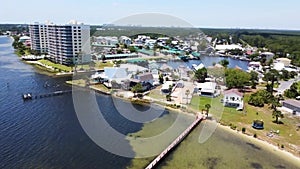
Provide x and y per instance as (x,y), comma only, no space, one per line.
(145,78)
(197,67)
(112,74)
(233,98)
(134,69)
(254,66)
(207,89)
(166,68)
(183,72)
(165,89)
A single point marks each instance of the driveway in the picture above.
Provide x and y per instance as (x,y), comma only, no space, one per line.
(284,85)
(179,95)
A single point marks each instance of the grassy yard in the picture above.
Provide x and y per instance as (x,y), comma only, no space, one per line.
(79,82)
(288,133)
(56,66)
(101,65)
(101,87)
(156,94)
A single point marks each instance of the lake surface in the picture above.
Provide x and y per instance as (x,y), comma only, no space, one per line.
(46,133)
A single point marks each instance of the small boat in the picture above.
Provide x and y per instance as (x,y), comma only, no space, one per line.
(27,96)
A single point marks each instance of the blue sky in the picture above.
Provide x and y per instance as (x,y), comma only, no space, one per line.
(264,14)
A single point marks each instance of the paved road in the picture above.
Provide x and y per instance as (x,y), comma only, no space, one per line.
(284,85)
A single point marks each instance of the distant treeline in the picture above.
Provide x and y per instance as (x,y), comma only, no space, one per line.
(13,27)
(151,31)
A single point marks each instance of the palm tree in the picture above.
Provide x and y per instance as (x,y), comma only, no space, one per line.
(277,114)
(187,92)
(207,106)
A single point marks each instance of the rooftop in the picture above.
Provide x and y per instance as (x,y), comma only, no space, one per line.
(293,102)
(235,91)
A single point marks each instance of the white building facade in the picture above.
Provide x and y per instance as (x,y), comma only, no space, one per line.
(65,44)
(233,98)
(69,44)
(39,37)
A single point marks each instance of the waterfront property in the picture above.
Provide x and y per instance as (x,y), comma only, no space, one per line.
(207,89)
(70,43)
(145,78)
(134,69)
(111,75)
(66,44)
(167,87)
(233,98)
(39,37)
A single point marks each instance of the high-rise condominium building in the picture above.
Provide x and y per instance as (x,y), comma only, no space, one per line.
(69,44)
(38,36)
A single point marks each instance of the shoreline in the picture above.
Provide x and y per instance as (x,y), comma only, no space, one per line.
(259,141)
(263,143)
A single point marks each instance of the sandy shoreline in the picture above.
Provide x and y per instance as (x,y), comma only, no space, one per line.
(264,144)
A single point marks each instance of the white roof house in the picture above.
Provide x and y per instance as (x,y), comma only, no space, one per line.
(254,66)
(165,87)
(285,61)
(207,89)
(133,69)
(233,98)
(228,47)
(112,74)
(200,66)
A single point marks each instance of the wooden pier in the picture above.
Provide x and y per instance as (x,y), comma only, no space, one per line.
(181,137)
(45,95)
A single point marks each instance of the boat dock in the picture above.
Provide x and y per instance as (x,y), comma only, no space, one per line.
(29,96)
(180,138)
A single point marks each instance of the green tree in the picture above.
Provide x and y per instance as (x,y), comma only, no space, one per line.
(275,103)
(103,58)
(285,75)
(138,88)
(293,92)
(207,106)
(168,97)
(224,63)
(276,114)
(201,74)
(161,79)
(253,79)
(236,78)
(271,76)
(132,49)
(256,100)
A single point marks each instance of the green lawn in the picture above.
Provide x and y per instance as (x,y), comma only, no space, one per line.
(56,66)
(156,94)
(79,82)
(101,87)
(101,65)
(288,133)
